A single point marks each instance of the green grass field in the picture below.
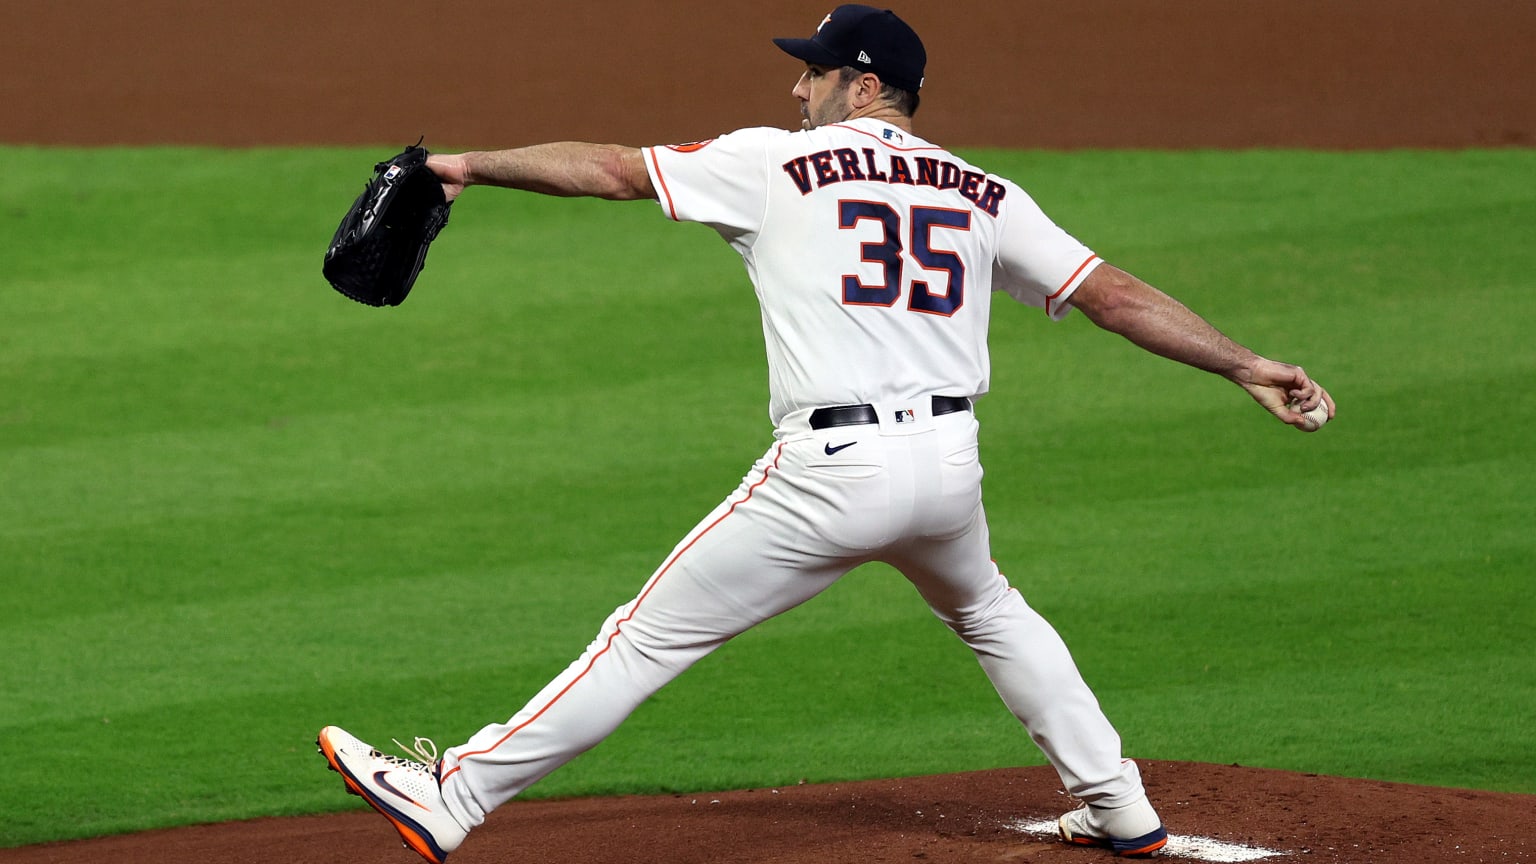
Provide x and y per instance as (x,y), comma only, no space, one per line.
(237,507)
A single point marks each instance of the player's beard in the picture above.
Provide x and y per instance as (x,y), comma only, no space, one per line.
(806,123)
(824,118)
(835,108)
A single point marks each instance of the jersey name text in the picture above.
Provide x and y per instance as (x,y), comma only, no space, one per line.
(822,169)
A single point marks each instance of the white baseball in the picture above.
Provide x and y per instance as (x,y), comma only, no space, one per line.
(1313,420)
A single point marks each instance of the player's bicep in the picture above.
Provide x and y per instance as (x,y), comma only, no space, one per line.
(722,183)
(1038,263)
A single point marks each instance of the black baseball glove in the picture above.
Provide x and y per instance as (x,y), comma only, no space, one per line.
(382,242)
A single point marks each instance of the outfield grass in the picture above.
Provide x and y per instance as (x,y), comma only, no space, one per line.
(238,507)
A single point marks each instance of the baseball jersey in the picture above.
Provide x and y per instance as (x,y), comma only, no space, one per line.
(874,255)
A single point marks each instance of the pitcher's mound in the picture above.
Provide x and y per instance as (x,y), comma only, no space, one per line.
(1213,812)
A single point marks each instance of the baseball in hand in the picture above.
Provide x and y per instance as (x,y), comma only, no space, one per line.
(1313,420)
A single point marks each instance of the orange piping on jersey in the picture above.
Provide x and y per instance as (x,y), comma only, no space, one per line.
(1073,278)
(671,208)
(887,143)
(615,634)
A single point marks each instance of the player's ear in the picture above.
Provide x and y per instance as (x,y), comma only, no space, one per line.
(866,90)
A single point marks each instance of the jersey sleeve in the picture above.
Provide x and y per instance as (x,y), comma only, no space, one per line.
(722,182)
(1038,263)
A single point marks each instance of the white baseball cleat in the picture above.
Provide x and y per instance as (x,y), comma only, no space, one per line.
(1132,831)
(405,791)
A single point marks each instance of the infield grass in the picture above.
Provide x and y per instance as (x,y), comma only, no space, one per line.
(238,507)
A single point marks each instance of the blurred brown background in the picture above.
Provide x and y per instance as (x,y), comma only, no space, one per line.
(1033,73)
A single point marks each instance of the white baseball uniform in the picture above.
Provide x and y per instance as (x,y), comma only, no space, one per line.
(874,255)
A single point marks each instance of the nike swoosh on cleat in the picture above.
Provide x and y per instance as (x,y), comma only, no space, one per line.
(830,449)
(378,777)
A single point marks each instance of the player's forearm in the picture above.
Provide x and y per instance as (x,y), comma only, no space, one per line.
(567,169)
(1152,320)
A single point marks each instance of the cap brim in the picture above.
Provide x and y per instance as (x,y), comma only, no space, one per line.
(809,51)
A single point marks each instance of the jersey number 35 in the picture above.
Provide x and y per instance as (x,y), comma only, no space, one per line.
(922,222)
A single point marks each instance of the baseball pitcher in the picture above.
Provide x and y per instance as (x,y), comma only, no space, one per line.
(875,255)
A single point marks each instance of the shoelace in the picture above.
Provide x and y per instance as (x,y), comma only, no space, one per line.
(423,752)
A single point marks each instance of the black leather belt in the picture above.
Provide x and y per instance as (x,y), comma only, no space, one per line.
(863,415)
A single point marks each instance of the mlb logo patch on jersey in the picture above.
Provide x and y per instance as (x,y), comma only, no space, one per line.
(892,135)
(905,415)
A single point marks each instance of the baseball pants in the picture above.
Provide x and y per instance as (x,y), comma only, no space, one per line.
(819,503)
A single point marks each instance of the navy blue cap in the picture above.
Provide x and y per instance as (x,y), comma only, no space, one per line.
(868,39)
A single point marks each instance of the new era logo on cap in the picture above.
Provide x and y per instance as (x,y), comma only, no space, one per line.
(864,58)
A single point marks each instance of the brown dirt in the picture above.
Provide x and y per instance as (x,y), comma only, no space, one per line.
(1023,73)
(955,819)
